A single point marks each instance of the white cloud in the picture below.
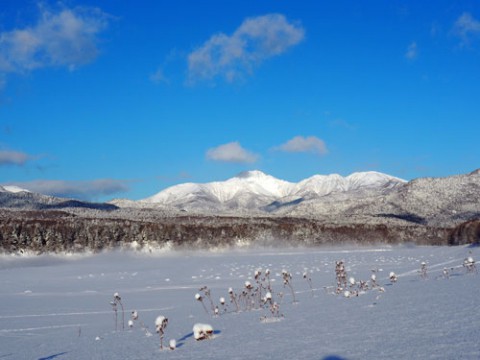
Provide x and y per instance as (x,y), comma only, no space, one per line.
(309,144)
(466,27)
(8,157)
(75,189)
(412,51)
(256,40)
(65,38)
(231,152)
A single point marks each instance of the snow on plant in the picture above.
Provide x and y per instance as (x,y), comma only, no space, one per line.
(446,273)
(172,344)
(223,305)
(273,306)
(287,281)
(249,295)
(117,300)
(202,331)
(133,318)
(469,264)
(199,298)
(207,293)
(393,277)
(268,297)
(423,270)
(161,323)
(233,298)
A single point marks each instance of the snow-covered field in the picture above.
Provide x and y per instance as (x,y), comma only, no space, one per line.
(59,307)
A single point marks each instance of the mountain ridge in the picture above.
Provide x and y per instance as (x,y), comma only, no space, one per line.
(256,190)
(371,209)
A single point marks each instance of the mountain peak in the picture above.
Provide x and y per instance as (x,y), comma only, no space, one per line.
(251,174)
(12,189)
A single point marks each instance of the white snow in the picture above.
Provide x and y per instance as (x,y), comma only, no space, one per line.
(241,188)
(12,189)
(202,331)
(52,308)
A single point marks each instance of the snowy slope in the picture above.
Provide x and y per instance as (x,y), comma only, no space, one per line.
(255,189)
(12,189)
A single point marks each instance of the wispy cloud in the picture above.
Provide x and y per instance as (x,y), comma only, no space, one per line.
(231,152)
(310,144)
(233,56)
(75,189)
(466,27)
(158,77)
(9,157)
(66,38)
(412,51)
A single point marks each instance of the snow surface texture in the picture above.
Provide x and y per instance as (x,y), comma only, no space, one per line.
(58,308)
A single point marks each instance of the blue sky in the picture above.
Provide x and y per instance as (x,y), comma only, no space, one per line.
(106,99)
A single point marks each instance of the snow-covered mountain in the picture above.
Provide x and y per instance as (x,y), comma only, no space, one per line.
(12,189)
(14,197)
(254,190)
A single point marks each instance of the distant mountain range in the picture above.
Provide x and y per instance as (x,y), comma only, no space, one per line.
(14,197)
(252,208)
(257,191)
(435,201)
